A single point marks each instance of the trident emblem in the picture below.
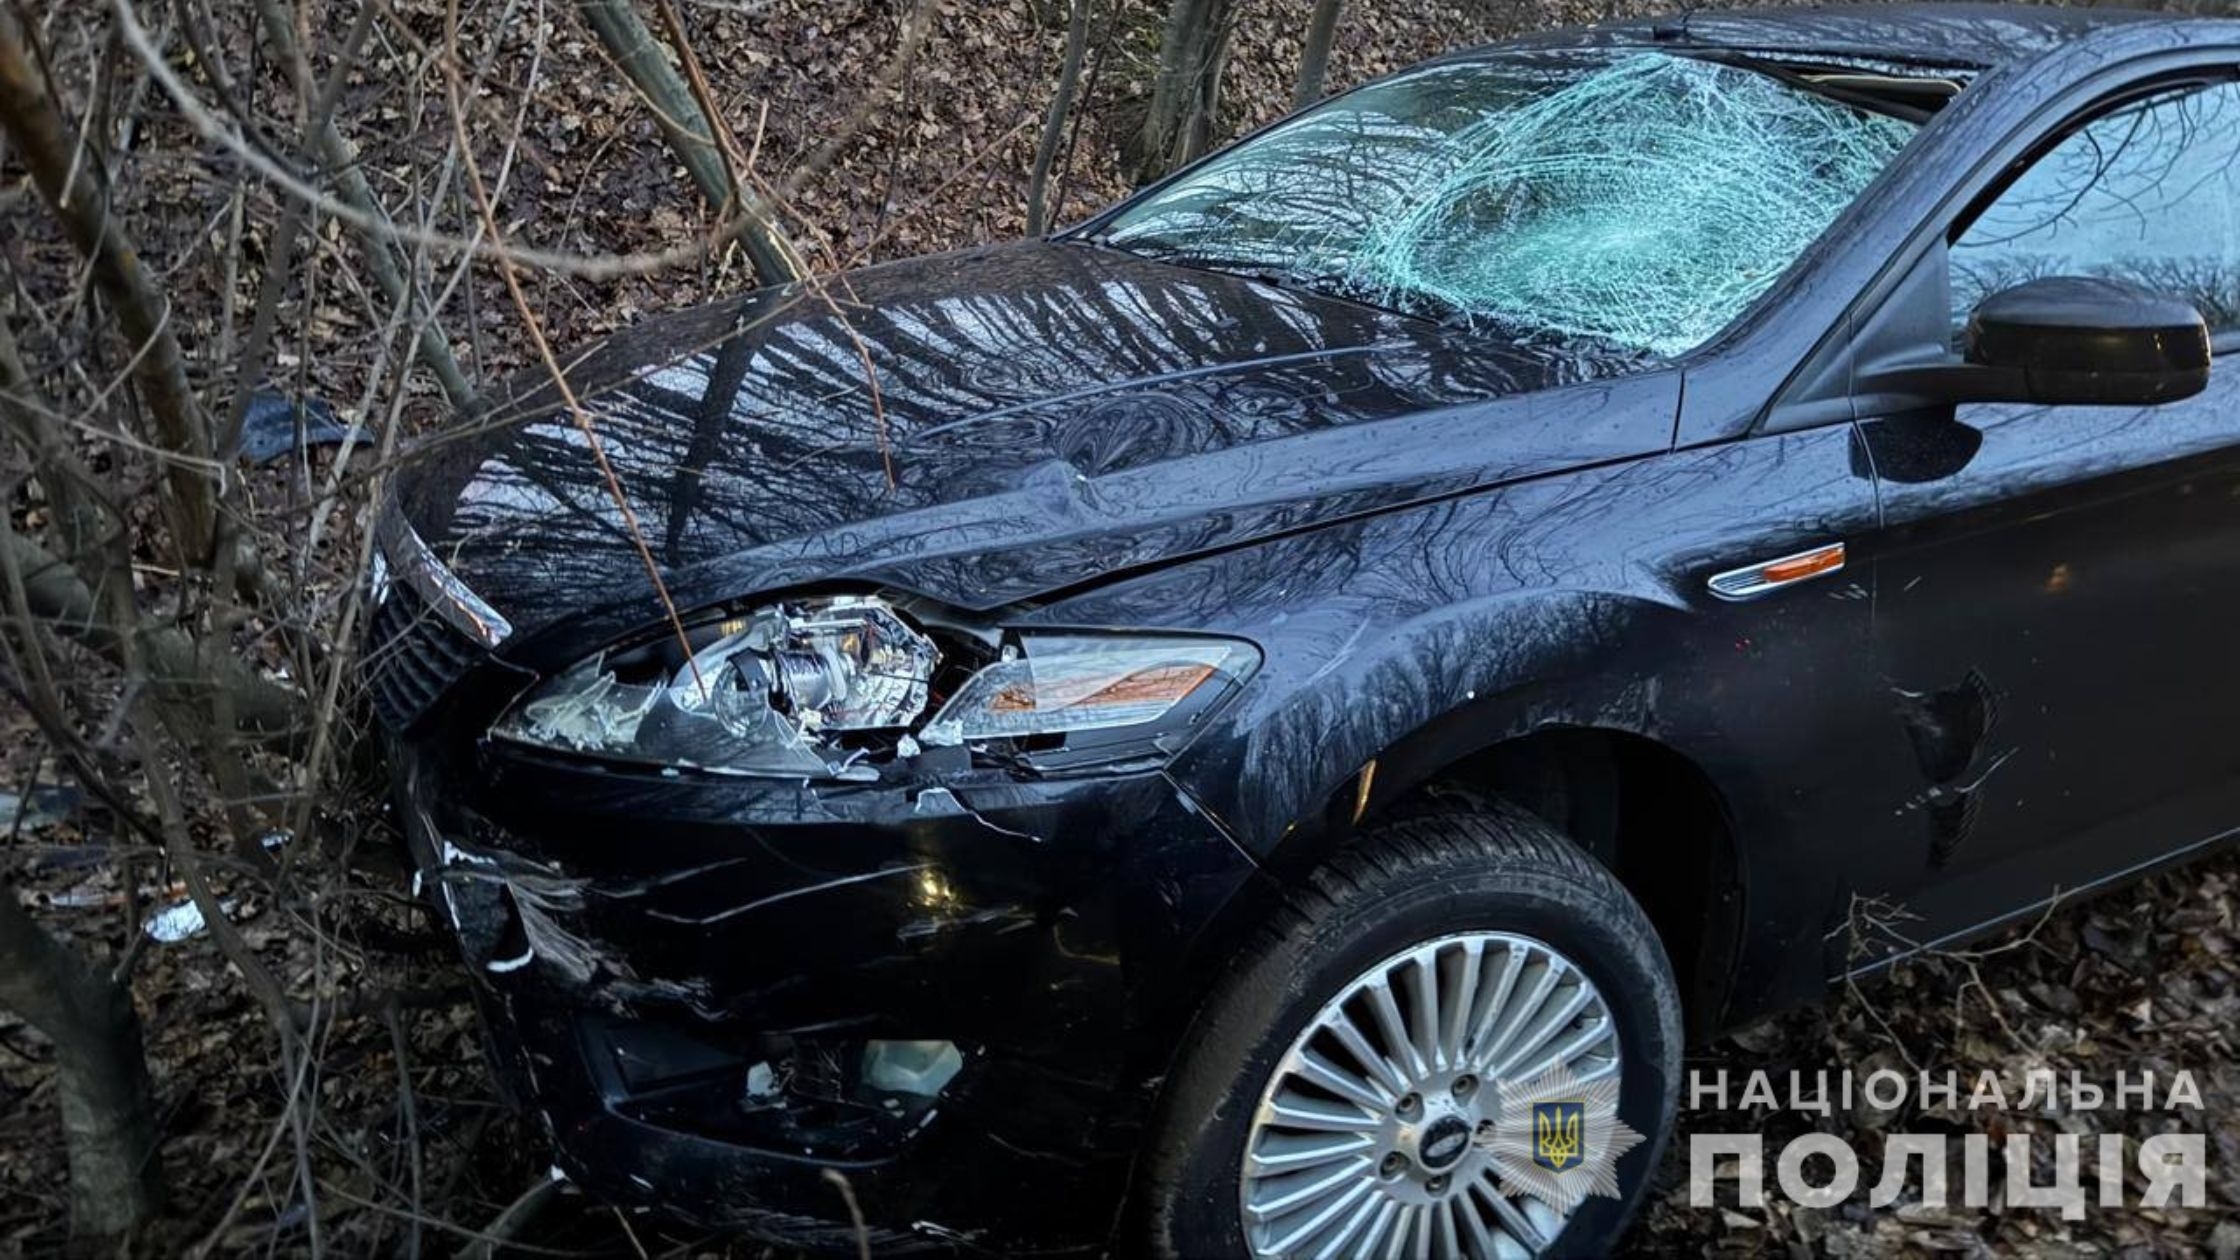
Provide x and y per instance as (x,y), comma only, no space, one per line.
(1558,1136)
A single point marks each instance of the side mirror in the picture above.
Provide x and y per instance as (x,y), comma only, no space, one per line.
(2073,339)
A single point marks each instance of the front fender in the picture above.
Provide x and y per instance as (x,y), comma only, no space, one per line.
(1409,640)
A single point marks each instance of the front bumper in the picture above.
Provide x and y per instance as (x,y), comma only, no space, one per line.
(679,975)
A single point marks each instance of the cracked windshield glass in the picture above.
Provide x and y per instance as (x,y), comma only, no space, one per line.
(1629,202)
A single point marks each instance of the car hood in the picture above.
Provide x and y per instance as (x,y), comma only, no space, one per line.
(1045,414)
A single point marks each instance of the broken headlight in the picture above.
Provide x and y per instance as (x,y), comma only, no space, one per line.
(780,690)
(754,697)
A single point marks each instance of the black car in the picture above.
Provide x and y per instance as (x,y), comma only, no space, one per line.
(1170,731)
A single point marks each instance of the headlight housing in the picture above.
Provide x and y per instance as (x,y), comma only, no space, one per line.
(755,696)
(1048,685)
(810,689)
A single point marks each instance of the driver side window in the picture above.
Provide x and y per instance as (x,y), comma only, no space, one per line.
(2149,193)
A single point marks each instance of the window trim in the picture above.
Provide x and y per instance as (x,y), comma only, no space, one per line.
(2076,120)
(1804,399)
(2175,86)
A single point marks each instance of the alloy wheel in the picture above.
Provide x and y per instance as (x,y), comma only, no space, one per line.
(1365,1142)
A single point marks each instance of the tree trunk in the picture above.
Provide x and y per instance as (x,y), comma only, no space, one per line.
(1314,59)
(1054,124)
(1178,125)
(689,132)
(74,188)
(108,1120)
(57,595)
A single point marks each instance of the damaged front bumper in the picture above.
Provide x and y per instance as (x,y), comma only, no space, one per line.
(700,984)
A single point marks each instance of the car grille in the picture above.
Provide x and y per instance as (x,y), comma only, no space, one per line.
(412,657)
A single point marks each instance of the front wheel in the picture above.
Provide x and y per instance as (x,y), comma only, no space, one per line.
(1381,1054)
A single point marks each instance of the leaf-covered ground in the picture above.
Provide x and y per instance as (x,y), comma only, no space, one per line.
(2142,980)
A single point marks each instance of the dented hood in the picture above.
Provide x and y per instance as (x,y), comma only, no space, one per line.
(1045,414)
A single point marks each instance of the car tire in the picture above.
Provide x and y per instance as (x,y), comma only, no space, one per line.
(1500,878)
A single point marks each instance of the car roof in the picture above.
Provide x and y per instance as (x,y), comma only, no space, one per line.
(1969,35)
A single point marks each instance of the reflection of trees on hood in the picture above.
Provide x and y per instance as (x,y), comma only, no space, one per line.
(988,364)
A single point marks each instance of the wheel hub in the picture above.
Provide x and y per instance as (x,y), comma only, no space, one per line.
(1367,1136)
(1430,1137)
(1441,1144)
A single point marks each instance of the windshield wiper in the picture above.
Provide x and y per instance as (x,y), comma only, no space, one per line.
(1344,284)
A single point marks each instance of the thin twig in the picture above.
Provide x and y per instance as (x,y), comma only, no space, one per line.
(855,1211)
(559,377)
(596,267)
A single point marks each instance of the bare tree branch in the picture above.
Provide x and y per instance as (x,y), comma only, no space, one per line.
(559,375)
(1314,58)
(74,188)
(916,22)
(678,113)
(58,597)
(217,131)
(1054,123)
(341,161)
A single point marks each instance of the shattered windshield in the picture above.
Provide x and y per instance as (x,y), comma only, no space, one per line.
(1637,200)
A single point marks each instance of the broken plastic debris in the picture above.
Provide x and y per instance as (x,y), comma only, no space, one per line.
(452,853)
(43,807)
(761,1081)
(83,897)
(269,429)
(586,708)
(176,922)
(179,921)
(504,965)
(851,770)
(919,1068)
(938,801)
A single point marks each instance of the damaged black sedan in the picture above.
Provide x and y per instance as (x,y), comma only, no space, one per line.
(1258,726)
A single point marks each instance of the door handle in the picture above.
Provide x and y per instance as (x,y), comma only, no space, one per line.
(1753,580)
